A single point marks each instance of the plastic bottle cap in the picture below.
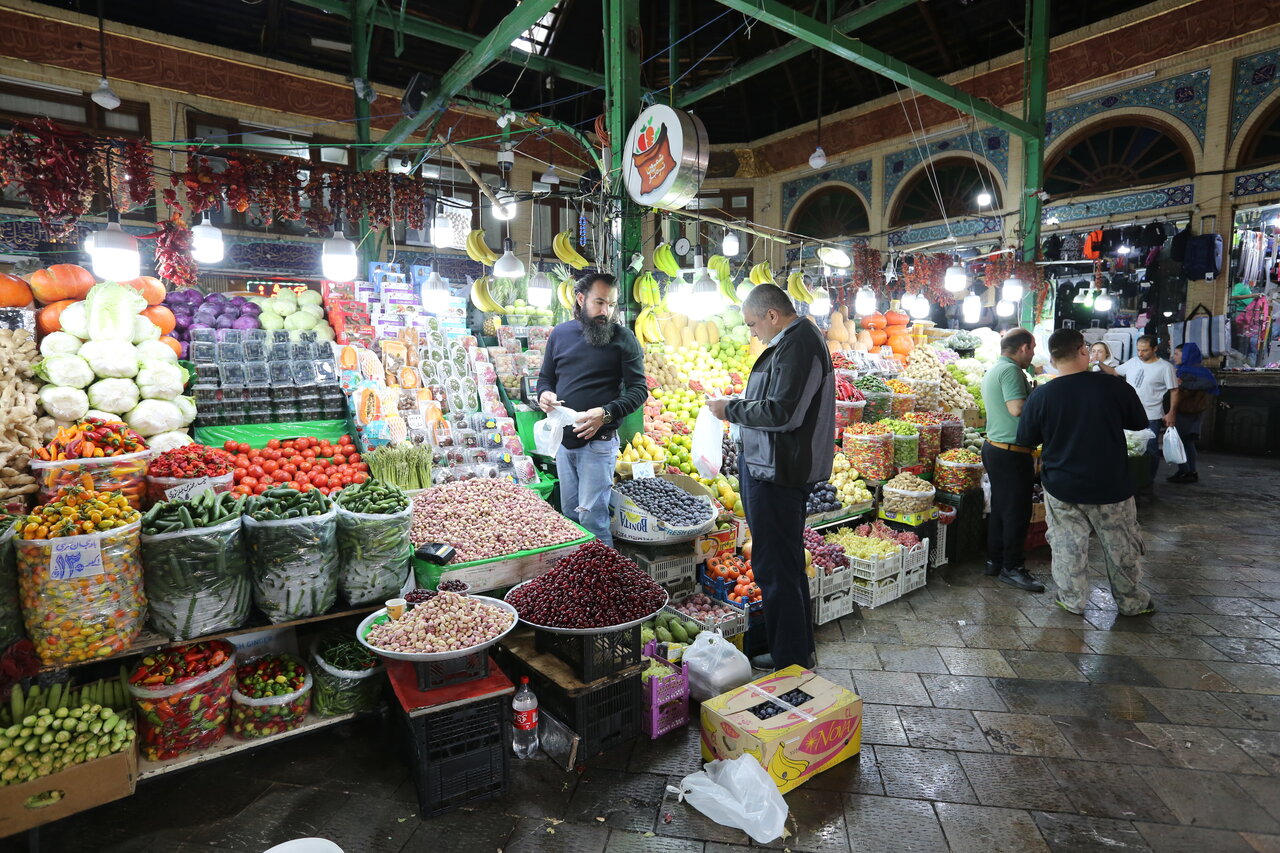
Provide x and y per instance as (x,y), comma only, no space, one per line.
(524,679)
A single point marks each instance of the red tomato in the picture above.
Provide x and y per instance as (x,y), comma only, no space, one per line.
(243,448)
(346,449)
(319,480)
(270,466)
(353,457)
(230,445)
(274,444)
(256,471)
(260,488)
(288,444)
(290,469)
(360,466)
(321,462)
(242,460)
(308,454)
(249,481)
(346,439)
(306,465)
(293,484)
(339,459)
(305,487)
(239,474)
(359,477)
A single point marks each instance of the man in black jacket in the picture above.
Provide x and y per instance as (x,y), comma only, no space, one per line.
(787,421)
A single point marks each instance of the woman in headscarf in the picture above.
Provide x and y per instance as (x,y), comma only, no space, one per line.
(1199,391)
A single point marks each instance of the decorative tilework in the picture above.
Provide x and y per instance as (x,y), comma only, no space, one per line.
(989,144)
(25,236)
(1256,77)
(856,175)
(958,228)
(1257,183)
(1184,97)
(278,256)
(1176,196)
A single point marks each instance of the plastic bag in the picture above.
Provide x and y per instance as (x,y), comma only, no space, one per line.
(197,580)
(707,446)
(188,715)
(715,665)
(343,691)
(95,614)
(157,487)
(10,609)
(125,474)
(549,432)
(737,793)
(254,718)
(293,564)
(375,552)
(1174,452)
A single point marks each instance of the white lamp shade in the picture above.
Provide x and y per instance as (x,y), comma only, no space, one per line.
(704,295)
(1103,302)
(821,305)
(338,258)
(550,176)
(731,246)
(1012,290)
(984,199)
(508,266)
(818,158)
(539,290)
(1004,308)
(971,308)
(115,254)
(865,302)
(505,207)
(435,293)
(206,243)
(442,232)
(956,279)
(104,97)
(920,307)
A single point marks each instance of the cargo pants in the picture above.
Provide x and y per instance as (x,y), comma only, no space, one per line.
(1117,527)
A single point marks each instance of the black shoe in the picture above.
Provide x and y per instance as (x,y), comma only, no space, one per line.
(1022,579)
(992,569)
(1180,477)
(764,663)
(1193,477)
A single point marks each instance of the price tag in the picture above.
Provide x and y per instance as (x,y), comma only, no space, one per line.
(641,470)
(74,558)
(189,490)
(415,420)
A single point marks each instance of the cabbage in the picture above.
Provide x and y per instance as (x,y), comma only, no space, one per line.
(168,440)
(109,417)
(283,304)
(152,417)
(111,309)
(188,407)
(270,320)
(70,370)
(113,395)
(161,380)
(155,351)
(324,332)
(62,403)
(74,320)
(314,310)
(300,321)
(112,359)
(309,297)
(59,343)
(145,330)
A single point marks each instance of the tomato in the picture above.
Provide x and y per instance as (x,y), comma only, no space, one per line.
(359,477)
(317,479)
(339,459)
(256,470)
(274,444)
(243,448)
(230,445)
(239,474)
(270,466)
(293,484)
(321,462)
(360,466)
(346,439)
(288,444)
(249,481)
(241,490)
(289,469)
(306,465)
(346,449)
(260,488)
(242,460)
(308,454)
(305,487)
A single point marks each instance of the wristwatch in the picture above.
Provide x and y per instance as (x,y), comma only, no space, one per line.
(608,416)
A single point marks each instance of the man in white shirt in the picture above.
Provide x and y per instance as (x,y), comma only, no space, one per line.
(1152,377)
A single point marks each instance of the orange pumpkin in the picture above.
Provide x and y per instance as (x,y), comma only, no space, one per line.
(47,318)
(878,337)
(896,318)
(152,289)
(14,292)
(874,321)
(161,316)
(901,342)
(59,282)
(173,344)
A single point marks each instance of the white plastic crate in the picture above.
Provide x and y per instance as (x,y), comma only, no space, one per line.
(828,608)
(877,592)
(668,571)
(729,627)
(875,568)
(837,582)
(916,557)
(913,579)
(940,547)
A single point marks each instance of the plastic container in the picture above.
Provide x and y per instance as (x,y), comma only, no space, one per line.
(125,474)
(341,691)
(849,412)
(270,715)
(906,450)
(666,702)
(593,656)
(956,478)
(902,403)
(872,454)
(188,715)
(903,501)
(879,405)
(197,581)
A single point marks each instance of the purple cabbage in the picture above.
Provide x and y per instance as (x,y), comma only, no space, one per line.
(239,301)
(251,310)
(245,323)
(224,321)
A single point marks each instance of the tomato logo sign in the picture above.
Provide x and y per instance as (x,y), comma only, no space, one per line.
(666,157)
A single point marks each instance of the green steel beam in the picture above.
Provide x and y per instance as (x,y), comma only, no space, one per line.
(1033,147)
(846,23)
(622,107)
(832,40)
(440,34)
(469,66)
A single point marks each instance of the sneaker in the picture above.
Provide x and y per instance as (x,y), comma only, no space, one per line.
(1022,579)
(764,663)
(992,569)
(1071,610)
(1150,608)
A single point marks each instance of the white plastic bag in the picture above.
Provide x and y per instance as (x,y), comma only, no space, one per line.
(707,445)
(737,793)
(1174,452)
(549,432)
(715,666)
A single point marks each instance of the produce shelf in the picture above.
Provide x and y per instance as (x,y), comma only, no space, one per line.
(842,519)
(231,745)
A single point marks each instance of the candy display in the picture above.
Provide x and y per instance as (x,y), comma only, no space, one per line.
(929,425)
(373,541)
(346,677)
(958,471)
(114,456)
(952,432)
(291,538)
(594,587)
(906,441)
(272,695)
(666,501)
(446,622)
(183,697)
(192,467)
(486,519)
(907,493)
(878,396)
(870,448)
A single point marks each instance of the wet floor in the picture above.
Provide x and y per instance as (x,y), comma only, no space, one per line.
(994,721)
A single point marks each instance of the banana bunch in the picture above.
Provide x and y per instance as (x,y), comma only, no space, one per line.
(648,329)
(478,250)
(564,293)
(565,251)
(719,267)
(481,297)
(761,273)
(645,290)
(797,289)
(665,260)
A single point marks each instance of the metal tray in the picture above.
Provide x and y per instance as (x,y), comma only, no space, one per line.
(588,631)
(427,657)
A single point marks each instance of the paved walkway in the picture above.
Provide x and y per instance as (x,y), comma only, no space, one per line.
(994,722)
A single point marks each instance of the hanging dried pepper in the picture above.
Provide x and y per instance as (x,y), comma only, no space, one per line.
(139,172)
(174,263)
(53,168)
(317,216)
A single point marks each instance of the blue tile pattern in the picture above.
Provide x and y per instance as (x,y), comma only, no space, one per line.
(1256,77)
(1175,196)
(1256,183)
(856,175)
(988,143)
(958,228)
(1184,97)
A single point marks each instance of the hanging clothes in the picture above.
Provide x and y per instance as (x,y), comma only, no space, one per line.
(1092,245)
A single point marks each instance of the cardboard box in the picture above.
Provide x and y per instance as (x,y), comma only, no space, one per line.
(83,786)
(973,418)
(631,523)
(798,743)
(1037,512)
(915,519)
(715,543)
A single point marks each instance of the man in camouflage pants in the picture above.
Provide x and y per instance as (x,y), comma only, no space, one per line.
(1080,418)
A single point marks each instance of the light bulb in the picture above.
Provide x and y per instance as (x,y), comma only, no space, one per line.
(818,158)
(104,97)
(338,258)
(115,253)
(441,230)
(955,279)
(206,243)
(730,246)
(1080,296)
(508,266)
(704,293)
(971,308)
(1012,290)
(1123,250)
(539,290)
(1004,308)
(1103,302)
(435,293)
(505,206)
(984,199)
(550,176)
(920,307)
(865,302)
(1088,299)
(821,305)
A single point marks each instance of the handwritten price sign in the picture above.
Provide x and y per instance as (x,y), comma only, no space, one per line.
(74,558)
(189,490)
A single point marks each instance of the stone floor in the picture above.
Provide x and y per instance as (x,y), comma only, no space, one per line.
(994,722)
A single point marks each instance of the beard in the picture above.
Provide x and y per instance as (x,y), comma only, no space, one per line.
(598,331)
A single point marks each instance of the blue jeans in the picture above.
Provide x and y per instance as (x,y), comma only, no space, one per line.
(1153,448)
(586,478)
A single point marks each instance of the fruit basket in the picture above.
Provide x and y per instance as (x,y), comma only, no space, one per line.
(380,616)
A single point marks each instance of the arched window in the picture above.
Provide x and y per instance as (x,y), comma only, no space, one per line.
(1262,148)
(834,211)
(1117,157)
(949,188)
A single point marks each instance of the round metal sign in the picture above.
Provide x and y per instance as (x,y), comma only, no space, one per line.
(666,157)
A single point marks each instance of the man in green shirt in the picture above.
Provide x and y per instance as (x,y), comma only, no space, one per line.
(1009,466)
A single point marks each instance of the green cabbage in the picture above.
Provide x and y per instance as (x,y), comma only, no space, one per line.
(113,395)
(69,370)
(111,309)
(62,403)
(112,359)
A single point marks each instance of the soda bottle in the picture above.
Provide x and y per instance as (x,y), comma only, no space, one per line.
(524,721)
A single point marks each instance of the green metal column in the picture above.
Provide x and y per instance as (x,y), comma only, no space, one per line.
(622,105)
(1037,77)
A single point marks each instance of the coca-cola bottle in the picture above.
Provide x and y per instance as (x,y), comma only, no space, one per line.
(524,721)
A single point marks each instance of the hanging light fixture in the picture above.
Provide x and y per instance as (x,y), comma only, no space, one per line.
(865,301)
(956,279)
(971,308)
(730,247)
(984,199)
(339,260)
(818,158)
(508,266)
(550,177)
(1004,308)
(441,229)
(539,289)
(920,307)
(703,294)
(1080,296)
(114,252)
(504,207)
(1124,249)
(1103,302)
(103,96)
(821,304)
(1012,289)
(206,242)
(1088,299)
(435,293)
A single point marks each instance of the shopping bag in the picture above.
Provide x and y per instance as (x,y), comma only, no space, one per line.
(737,793)
(549,432)
(715,666)
(1174,452)
(707,444)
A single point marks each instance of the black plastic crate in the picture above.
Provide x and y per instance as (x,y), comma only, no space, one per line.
(593,656)
(454,671)
(458,756)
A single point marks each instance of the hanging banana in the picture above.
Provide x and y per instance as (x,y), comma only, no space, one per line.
(797,289)
(482,298)
(564,292)
(565,251)
(478,250)
(761,273)
(665,260)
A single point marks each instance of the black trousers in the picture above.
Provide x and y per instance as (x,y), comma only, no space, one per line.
(1012,474)
(776,516)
